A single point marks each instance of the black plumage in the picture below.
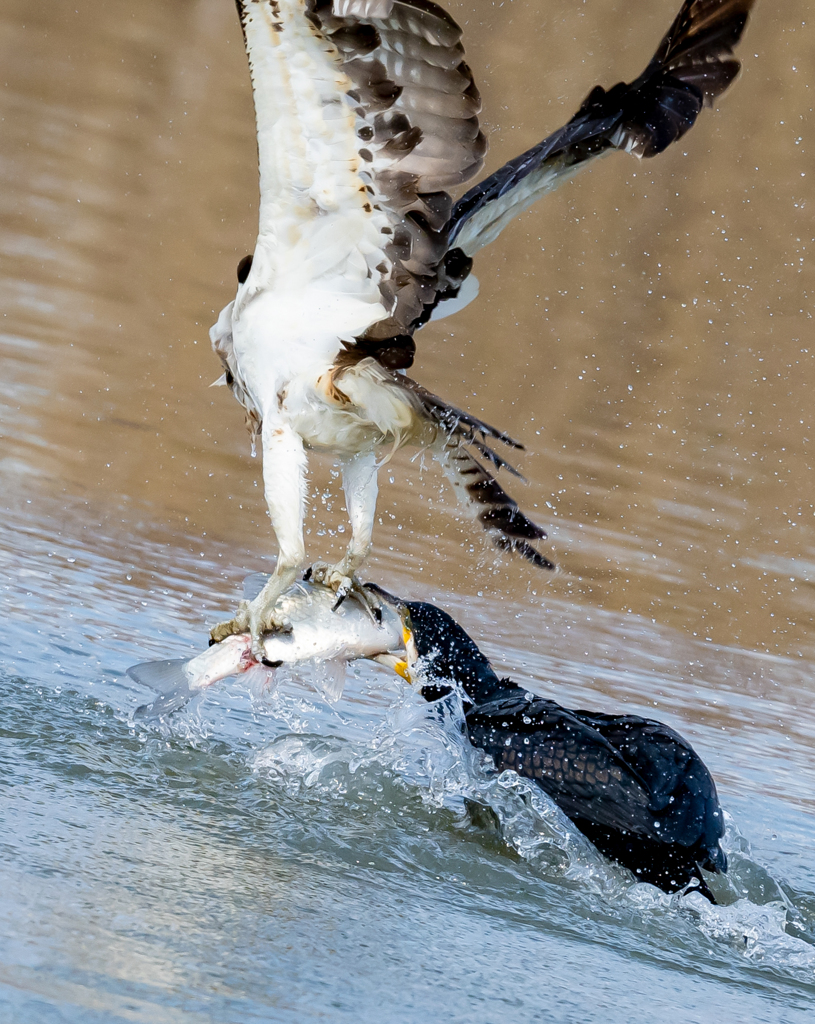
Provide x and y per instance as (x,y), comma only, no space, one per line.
(692,66)
(632,785)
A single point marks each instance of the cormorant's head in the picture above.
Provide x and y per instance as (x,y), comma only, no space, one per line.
(447,655)
(439,655)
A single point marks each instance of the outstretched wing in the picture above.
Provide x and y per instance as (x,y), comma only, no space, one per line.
(693,65)
(366,113)
(417,125)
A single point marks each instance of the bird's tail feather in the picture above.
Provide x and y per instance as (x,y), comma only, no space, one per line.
(454,433)
(484,498)
(452,421)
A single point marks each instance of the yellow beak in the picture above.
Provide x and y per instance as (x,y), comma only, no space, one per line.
(401,668)
(401,662)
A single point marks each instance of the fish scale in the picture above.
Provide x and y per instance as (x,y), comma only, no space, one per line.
(316,630)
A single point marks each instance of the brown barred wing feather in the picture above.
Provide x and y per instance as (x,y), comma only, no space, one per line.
(418,133)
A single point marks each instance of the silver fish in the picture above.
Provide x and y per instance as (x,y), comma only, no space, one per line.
(317,631)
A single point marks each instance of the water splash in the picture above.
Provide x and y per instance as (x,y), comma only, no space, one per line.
(419,751)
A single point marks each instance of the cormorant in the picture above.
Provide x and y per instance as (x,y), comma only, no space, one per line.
(632,785)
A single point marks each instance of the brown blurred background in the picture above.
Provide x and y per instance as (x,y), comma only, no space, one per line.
(646,331)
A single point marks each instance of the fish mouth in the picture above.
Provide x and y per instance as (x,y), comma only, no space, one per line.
(397,662)
(400,661)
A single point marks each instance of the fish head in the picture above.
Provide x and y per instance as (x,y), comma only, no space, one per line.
(402,659)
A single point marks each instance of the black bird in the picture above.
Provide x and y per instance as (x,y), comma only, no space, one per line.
(632,785)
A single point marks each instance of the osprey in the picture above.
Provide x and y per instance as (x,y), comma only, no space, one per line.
(366,117)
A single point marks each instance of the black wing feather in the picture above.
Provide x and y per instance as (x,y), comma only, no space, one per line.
(693,65)
(682,790)
(622,772)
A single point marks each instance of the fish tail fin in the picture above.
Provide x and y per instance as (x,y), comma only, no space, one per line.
(169,679)
(161,676)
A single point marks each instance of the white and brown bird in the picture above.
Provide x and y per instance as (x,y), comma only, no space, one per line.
(366,117)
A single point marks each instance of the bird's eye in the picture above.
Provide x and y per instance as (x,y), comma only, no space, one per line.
(244,267)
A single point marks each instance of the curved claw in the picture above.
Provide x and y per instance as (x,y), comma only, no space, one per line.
(318,572)
(256,617)
(367,598)
(345,586)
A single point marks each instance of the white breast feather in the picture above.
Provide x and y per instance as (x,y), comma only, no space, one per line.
(314,228)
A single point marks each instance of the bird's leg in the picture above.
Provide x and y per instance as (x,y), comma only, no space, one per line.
(361,489)
(284,484)
(360,485)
